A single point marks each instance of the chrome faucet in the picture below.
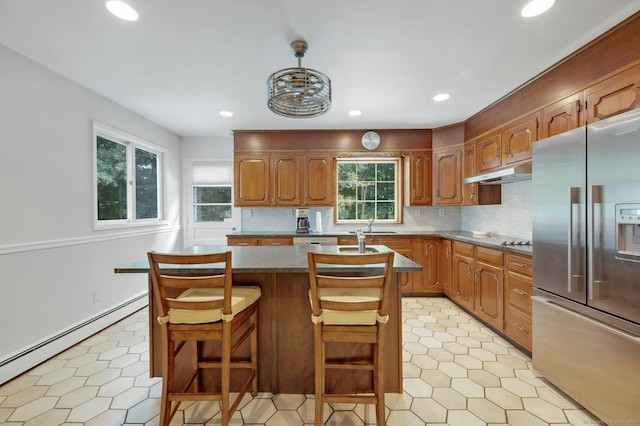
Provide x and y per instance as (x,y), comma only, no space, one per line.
(369,225)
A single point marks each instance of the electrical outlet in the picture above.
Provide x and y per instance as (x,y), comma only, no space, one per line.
(247,212)
(442,212)
(97,296)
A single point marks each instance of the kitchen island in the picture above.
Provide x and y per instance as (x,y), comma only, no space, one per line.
(285,330)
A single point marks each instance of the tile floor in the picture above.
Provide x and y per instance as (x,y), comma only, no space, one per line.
(456,372)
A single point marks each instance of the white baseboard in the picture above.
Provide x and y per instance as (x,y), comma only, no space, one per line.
(27,358)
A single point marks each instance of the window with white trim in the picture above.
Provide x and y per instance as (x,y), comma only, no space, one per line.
(212,191)
(128,180)
(368,188)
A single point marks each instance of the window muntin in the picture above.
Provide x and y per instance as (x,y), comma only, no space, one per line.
(368,189)
(128,180)
(212,203)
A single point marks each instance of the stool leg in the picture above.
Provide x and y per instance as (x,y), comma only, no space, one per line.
(319,355)
(226,372)
(378,378)
(167,378)
(254,353)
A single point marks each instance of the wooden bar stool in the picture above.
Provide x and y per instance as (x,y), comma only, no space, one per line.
(197,307)
(350,309)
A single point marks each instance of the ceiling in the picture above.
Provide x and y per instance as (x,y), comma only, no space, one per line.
(184,61)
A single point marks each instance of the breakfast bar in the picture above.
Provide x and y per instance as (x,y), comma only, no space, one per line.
(285,330)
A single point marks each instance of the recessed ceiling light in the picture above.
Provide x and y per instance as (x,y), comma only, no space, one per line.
(355,113)
(122,10)
(441,97)
(226,113)
(536,7)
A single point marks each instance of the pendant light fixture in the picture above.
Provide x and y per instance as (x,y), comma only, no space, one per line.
(299,92)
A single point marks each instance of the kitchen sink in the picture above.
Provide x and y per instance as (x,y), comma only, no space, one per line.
(355,250)
(374,232)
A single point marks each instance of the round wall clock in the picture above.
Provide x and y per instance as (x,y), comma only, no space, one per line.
(370,140)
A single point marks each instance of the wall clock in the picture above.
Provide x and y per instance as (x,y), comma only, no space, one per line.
(370,140)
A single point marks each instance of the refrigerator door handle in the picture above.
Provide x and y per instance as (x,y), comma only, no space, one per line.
(575,279)
(597,288)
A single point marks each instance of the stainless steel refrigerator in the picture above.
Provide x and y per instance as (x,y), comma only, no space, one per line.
(586,265)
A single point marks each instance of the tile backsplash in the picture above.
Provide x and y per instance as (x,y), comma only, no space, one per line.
(511,218)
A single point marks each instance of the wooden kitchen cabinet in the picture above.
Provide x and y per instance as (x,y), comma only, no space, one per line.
(517,298)
(318,178)
(469,190)
(409,281)
(463,274)
(562,116)
(259,241)
(286,185)
(615,95)
(418,181)
(489,285)
(252,176)
(446,263)
(447,174)
(489,152)
(283,179)
(518,139)
(431,250)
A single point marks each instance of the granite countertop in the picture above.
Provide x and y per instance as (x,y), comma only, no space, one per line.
(283,259)
(494,241)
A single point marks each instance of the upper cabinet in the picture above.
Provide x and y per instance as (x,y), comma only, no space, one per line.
(469,190)
(283,179)
(418,182)
(518,139)
(562,116)
(252,180)
(489,152)
(318,180)
(447,167)
(615,95)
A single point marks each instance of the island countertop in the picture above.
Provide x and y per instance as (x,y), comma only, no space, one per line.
(286,259)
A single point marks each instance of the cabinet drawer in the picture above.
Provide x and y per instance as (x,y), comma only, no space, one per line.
(242,241)
(396,243)
(518,291)
(517,325)
(520,264)
(487,255)
(463,249)
(277,242)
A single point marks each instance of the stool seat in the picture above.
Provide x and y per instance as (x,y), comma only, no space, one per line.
(241,298)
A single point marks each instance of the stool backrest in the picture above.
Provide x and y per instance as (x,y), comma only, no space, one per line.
(335,273)
(171,274)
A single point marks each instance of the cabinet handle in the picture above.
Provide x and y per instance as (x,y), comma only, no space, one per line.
(470,272)
(520,265)
(506,149)
(520,292)
(478,276)
(243,244)
(520,327)
(275,244)
(498,152)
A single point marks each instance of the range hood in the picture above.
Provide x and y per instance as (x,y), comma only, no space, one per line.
(515,173)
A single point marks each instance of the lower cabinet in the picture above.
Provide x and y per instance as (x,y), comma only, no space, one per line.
(517,297)
(444,267)
(489,284)
(257,241)
(409,281)
(463,274)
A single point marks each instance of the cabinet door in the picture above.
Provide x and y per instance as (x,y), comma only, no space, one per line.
(562,116)
(463,280)
(448,176)
(420,185)
(615,95)
(287,180)
(431,265)
(318,180)
(469,190)
(409,281)
(489,294)
(518,139)
(444,272)
(252,180)
(243,241)
(489,152)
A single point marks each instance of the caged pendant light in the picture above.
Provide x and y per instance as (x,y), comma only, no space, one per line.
(299,92)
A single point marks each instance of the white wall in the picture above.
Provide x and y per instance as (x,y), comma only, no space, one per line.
(56,272)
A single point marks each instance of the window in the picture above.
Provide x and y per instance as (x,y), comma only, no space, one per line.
(368,189)
(211,203)
(127,179)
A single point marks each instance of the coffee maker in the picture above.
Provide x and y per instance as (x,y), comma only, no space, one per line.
(302,221)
